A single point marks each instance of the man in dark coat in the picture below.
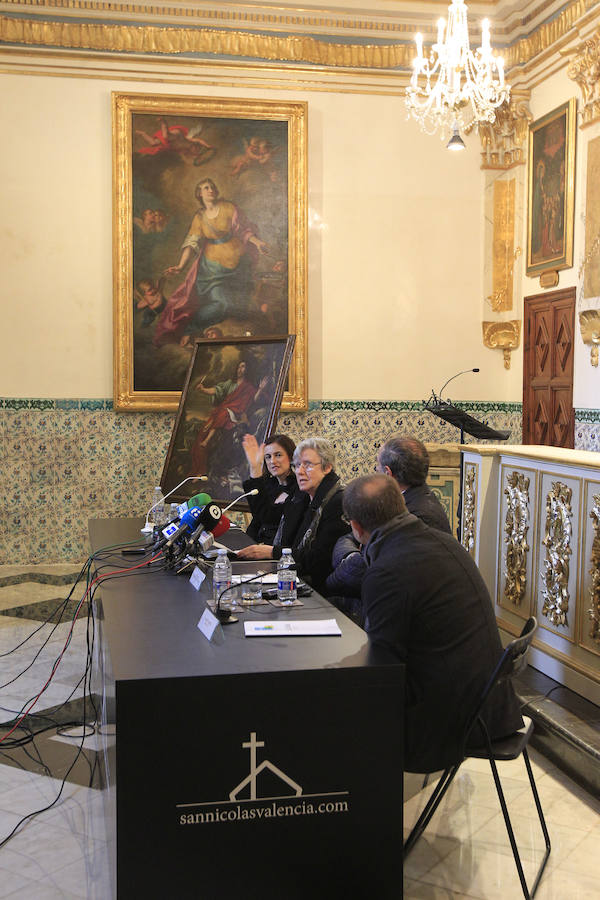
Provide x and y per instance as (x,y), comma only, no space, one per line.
(426,604)
(406,459)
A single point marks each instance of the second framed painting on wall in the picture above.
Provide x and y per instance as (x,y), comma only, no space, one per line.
(551,190)
(209,236)
(232,388)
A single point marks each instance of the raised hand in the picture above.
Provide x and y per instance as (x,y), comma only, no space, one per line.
(255,454)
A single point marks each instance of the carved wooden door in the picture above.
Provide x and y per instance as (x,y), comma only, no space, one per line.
(548,415)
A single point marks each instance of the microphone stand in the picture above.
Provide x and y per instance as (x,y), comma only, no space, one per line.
(148,528)
(173,554)
(454,415)
(224,615)
(251,493)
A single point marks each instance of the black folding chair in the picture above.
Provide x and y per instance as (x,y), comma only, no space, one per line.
(511,663)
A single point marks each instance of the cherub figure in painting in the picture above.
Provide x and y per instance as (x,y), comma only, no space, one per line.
(184,141)
(150,298)
(151,221)
(258,152)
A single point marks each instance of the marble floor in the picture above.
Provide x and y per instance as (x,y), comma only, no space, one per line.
(63,852)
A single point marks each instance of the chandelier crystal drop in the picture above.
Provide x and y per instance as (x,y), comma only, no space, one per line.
(454,86)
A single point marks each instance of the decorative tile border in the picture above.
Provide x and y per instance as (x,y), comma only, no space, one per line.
(416,405)
(50,403)
(587,416)
(67,460)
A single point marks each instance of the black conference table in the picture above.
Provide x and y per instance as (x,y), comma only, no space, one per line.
(267,767)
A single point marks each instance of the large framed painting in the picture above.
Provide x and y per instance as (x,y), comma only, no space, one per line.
(551,189)
(232,388)
(209,236)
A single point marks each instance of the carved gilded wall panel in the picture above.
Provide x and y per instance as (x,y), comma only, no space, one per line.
(516,536)
(469,509)
(503,249)
(538,527)
(504,141)
(584,69)
(558,572)
(589,612)
(516,526)
(591,261)
(504,216)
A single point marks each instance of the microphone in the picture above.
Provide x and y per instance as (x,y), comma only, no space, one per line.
(452,379)
(221,527)
(148,528)
(208,519)
(251,493)
(201,541)
(199,500)
(188,522)
(211,524)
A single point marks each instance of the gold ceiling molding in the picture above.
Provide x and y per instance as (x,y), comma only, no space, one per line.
(585,70)
(257,74)
(150,39)
(240,15)
(546,35)
(174,40)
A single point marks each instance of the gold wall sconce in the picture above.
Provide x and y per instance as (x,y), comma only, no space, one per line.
(503,336)
(589,323)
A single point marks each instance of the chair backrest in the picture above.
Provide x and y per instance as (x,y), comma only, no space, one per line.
(512,661)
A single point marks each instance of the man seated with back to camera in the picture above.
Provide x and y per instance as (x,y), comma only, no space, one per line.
(312,518)
(426,605)
(405,459)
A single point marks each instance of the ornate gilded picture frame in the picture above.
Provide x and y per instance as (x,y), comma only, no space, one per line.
(209,236)
(551,190)
(232,388)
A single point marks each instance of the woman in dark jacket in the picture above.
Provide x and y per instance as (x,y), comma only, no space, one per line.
(312,520)
(271,474)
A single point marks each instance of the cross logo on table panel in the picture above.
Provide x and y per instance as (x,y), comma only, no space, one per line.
(250,779)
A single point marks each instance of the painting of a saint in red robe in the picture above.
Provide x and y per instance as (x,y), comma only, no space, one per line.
(232,388)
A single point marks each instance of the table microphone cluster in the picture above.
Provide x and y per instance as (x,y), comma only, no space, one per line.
(193,532)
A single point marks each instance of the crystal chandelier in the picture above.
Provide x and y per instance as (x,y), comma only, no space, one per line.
(455,87)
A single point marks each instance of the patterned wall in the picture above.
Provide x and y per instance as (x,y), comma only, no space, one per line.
(587,429)
(65,461)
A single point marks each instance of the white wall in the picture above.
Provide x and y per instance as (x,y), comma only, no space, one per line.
(394,248)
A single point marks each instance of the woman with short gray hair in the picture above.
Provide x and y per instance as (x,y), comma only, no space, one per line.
(312,521)
(322,447)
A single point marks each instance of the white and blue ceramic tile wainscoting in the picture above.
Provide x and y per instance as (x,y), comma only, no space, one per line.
(65,461)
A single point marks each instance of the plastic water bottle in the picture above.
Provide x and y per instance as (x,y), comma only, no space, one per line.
(157,515)
(286,577)
(221,574)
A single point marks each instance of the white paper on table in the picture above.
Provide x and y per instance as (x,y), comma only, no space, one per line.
(313,627)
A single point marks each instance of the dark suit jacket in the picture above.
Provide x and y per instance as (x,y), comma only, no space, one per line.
(265,512)
(427,605)
(349,566)
(314,561)
(422,503)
